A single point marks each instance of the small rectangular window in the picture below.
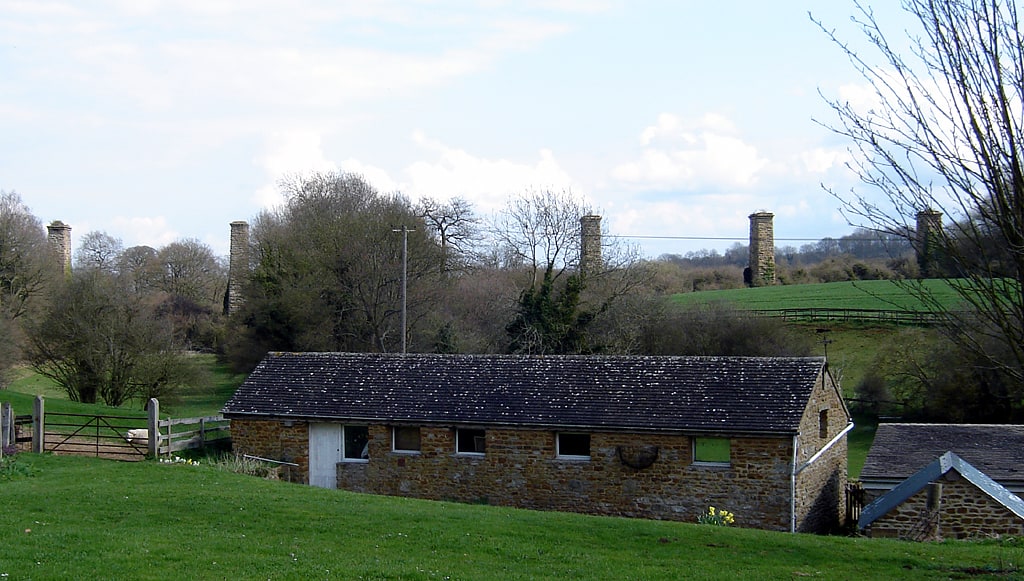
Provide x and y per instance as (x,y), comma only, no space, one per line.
(469,441)
(711,450)
(573,446)
(823,423)
(406,439)
(356,443)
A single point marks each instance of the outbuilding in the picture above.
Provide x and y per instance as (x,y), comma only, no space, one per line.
(637,436)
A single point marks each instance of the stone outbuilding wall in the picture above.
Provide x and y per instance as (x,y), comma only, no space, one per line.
(963,511)
(521,468)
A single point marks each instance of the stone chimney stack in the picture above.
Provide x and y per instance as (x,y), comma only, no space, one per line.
(590,244)
(927,241)
(59,235)
(238,265)
(762,249)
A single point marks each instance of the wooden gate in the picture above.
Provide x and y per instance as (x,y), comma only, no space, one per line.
(95,435)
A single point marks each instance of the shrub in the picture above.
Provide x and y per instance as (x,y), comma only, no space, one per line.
(245,465)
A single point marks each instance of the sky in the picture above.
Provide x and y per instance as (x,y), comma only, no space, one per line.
(155,121)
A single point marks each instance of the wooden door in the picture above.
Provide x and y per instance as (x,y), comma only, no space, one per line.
(324,454)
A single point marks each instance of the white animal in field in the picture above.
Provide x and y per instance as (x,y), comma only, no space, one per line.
(138,436)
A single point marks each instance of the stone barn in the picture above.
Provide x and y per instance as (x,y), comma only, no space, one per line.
(933,481)
(649,437)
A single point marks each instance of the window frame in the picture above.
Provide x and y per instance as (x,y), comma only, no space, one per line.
(823,423)
(394,440)
(558,446)
(698,461)
(344,444)
(461,433)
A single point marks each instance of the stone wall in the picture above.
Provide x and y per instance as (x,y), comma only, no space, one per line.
(965,511)
(521,469)
(284,441)
(821,486)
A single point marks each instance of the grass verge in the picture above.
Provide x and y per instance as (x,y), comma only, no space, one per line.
(86,518)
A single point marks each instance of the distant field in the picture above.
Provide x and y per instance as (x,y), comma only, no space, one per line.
(869,294)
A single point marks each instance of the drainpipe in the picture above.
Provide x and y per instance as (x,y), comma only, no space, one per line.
(792,486)
(825,448)
(811,460)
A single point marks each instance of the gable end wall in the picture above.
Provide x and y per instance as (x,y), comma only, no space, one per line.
(966,512)
(821,487)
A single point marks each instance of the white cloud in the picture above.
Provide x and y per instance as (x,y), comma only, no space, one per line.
(289,153)
(487,183)
(690,154)
(820,160)
(142,230)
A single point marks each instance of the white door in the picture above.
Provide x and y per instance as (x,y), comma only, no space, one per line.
(324,454)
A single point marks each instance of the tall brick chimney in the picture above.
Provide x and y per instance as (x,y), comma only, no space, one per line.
(927,241)
(762,249)
(59,235)
(238,265)
(590,244)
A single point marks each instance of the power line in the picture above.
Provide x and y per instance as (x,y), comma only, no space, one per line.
(743,238)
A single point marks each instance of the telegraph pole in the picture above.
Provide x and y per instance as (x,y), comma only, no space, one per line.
(405,261)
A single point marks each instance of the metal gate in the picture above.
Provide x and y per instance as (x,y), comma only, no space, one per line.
(93,435)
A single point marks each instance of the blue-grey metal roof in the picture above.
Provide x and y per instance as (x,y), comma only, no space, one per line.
(939,467)
(734,394)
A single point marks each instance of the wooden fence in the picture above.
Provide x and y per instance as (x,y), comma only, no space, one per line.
(920,318)
(190,433)
(110,436)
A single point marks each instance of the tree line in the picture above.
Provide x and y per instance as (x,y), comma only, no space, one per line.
(944,135)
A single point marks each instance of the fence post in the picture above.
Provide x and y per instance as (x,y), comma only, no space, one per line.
(202,433)
(38,430)
(7,437)
(154,427)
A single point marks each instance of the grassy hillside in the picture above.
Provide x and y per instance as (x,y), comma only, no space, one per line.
(870,294)
(81,518)
(202,399)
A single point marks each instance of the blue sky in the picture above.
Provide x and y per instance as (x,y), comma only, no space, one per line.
(160,120)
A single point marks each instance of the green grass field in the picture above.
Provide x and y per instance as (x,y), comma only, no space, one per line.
(83,518)
(869,294)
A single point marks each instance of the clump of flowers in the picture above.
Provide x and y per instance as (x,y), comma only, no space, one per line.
(714,516)
(179,460)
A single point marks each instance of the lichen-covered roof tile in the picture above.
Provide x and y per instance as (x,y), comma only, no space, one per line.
(737,394)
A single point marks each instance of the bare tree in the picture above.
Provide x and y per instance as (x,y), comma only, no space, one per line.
(541,229)
(188,268)
(99,250)
(945,135)
(26,263)
(456,227)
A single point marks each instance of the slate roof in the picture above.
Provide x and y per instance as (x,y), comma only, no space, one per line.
(937,468)
(900,450)
(715,394)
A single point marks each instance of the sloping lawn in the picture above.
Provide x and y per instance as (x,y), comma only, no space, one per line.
(866,294)
(83,518)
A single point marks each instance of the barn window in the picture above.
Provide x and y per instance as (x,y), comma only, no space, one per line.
(405,439)
(823,423)
(356,444)
(711,450)
(468,441)
(573,446)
